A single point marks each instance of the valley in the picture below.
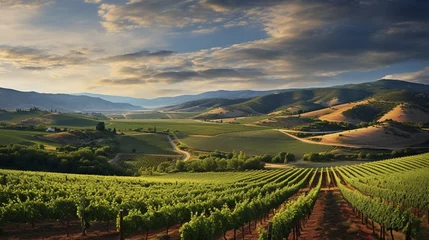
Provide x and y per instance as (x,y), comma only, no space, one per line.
(250,161)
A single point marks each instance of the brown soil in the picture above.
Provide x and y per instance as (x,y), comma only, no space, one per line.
(332,218)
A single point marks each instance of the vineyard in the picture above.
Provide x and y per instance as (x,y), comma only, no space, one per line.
(387,199)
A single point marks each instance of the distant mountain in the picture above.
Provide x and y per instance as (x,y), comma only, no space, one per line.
(170,101)
(11,99)
(204,104)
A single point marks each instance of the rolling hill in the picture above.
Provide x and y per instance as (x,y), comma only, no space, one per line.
(357,103)
(11,99)
(204,104)
(291,102)
(48,118)
(407,113)
(398,105)
(385,85)
(389,135)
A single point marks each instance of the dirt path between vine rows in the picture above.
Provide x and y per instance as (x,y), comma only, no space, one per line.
(332,218)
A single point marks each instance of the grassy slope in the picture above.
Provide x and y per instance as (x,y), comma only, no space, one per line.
(254,143)
(46,118)
(23,137)
(73,120)
(204,104)
(145,143)
(182,115)
(147,115)
(308,99)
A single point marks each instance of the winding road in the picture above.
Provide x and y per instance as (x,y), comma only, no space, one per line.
(187,154)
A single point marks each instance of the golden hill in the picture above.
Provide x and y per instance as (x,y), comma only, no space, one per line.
(387,134)
(406,113)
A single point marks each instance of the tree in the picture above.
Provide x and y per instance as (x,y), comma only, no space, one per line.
(290,157)
(100,126)
(162,167)
(180,166)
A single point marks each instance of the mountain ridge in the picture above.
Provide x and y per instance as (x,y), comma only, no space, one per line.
(11,99)
(171,101)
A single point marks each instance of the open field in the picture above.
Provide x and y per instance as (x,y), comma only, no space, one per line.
(147,115)
(185,126)
(28,138)
(253,143)
(147,143)
(181,115)
(73,120)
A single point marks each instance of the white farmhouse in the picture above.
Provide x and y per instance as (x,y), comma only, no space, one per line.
(50,129)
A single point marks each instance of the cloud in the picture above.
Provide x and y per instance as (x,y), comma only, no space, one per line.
(203,16)
(152,13)
(24,3)
(35,59)
(137,56)
(421,76)
(126,81)
(93,1)
(301,42)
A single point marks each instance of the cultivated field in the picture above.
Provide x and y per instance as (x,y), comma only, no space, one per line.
(253,143)
(350,202)
(185,126)
(145,143)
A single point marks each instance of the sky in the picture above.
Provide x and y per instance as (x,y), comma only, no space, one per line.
(154,48)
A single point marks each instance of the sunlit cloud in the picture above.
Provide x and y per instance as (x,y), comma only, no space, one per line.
(136,47)
(421,76)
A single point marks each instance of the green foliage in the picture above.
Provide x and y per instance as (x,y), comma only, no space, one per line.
(254,143)
(147,143)
(100,126)
(288,218)
(82,160)
(369,112)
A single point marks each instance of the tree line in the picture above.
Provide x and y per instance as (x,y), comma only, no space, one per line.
(83,160)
